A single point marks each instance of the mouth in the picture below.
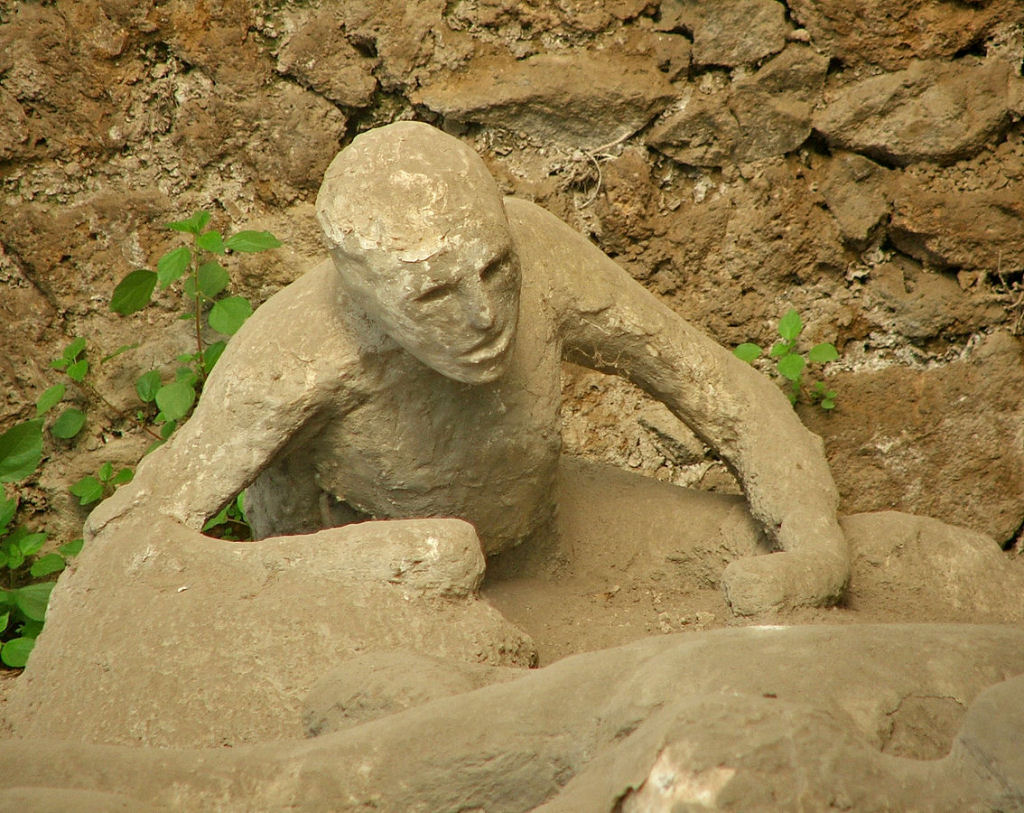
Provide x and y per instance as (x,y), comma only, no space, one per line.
(489,348)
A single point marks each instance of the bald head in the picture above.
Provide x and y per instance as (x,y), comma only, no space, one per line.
(409,191)
(418,234)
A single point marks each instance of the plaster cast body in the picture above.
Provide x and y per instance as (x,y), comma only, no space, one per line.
(416,374)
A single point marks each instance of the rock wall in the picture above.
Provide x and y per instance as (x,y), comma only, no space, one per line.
(859,160)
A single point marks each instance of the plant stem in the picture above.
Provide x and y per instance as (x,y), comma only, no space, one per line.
(200,360)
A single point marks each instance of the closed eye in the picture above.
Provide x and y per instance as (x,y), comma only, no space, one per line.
(434,294)
(493,267)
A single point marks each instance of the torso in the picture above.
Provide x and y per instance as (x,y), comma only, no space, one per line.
(422,445)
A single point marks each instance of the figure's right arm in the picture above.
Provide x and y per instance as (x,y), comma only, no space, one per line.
(276,377)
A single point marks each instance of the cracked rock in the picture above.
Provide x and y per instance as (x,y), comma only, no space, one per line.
(932,111)
(580,100)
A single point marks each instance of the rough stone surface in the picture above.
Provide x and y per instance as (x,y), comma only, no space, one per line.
(233,637)
(714,26)
(586,100)
(318,54)
(891,33)
(932,111)
(973,412)
(766,114)
(651,723)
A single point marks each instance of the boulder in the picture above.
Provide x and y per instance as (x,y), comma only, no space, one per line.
(584,99)
(931,111)
(856,193)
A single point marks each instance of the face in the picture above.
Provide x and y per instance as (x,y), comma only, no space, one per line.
(455,311)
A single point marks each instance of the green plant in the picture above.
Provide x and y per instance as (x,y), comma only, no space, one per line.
(230,523)
(90,489)
(23,600)
(791,363)
(204,288)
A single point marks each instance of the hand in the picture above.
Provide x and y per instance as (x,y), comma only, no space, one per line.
(784,580)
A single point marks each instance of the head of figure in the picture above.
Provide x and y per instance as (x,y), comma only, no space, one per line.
(418,232)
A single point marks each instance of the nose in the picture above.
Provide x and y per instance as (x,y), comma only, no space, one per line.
(478,307)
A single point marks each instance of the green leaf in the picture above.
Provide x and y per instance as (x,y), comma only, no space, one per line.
(790,325)
(78,371)
(47,565)
(192,225)
(16,651)
(3,563)
(15,558)
(186,375)
(172,265)
(218,519)
(780,349)
(32,600)
(211,241)
(74,349)
(123,476)
(8,508)
(165,432)
(30,543)
(252,241)
(133,292)
(147,384)
(175,400)
(49,399)
(72,548)
(211,355)
(69,423)
(106,471)
(828,403)
(59,364)
(748,351)
(30,629)
(823,353)
(791,366)
(213,278)
(88,490)
(5,620)
(228,315)
(21,449)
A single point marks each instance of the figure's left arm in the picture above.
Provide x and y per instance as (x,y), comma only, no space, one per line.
(609,322)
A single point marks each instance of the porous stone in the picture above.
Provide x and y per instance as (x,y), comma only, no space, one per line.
(319,55)
(857,195)
(975,229)
(758,116)
(892,33)
(714,27)
(931,111)
(946,442)
(923,304)
(583,99)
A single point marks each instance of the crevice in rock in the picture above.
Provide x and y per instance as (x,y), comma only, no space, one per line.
(1016,540)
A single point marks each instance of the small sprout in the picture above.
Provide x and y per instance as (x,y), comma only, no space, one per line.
(791,364)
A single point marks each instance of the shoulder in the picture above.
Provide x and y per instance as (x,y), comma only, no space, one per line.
(302,322)
(562,260)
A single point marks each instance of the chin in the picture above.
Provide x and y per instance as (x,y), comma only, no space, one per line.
(478,373)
